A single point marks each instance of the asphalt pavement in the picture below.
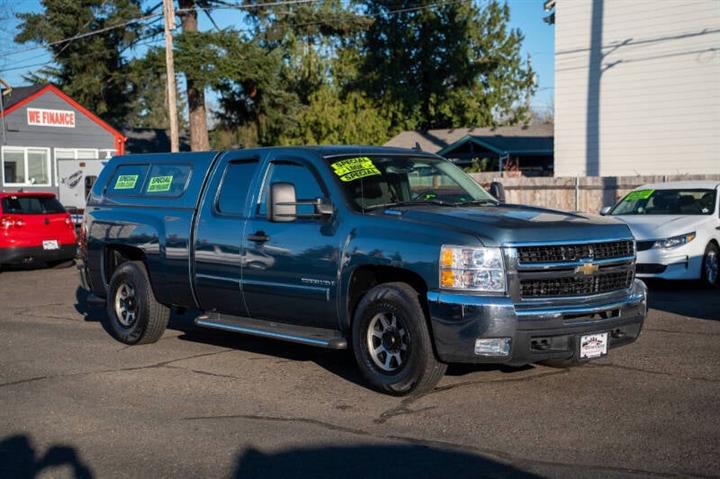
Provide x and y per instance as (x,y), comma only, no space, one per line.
(200,403)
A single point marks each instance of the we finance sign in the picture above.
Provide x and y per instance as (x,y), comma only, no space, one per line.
(56,118)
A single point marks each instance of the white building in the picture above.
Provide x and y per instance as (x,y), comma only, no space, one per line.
(637,87)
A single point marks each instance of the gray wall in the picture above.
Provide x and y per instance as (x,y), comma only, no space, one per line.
(637,87)
(86,134)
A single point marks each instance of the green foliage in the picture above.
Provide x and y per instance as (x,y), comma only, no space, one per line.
(479,165)
(93,70)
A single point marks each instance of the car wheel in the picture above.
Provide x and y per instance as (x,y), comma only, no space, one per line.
(391,341)
(710,264)
(133,314)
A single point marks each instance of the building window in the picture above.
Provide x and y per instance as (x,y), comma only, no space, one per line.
(25,166)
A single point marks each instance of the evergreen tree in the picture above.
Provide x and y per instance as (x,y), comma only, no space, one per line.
(93,70)
(445,65)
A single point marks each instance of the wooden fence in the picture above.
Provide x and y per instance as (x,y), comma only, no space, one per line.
(584,193)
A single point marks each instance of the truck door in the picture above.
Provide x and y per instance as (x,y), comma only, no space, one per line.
(219,235)
(290,269)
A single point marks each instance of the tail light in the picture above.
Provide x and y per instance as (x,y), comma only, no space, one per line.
(68,221)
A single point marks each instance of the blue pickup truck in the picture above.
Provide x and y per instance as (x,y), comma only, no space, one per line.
(396,254)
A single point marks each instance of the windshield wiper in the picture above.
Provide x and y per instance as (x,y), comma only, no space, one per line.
(478,202)
(410,203)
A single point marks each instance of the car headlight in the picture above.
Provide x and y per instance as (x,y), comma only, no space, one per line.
(674,241)
(472,269)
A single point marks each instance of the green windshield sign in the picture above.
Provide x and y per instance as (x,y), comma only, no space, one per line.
(639,195)
(159,184)
(126,182)
(355,168)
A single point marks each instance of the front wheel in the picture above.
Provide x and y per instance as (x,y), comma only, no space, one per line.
(711,259)
(133,314)
(391,341)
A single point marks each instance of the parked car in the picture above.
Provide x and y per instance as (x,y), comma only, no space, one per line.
(34,227)
(677,228)
(396,254)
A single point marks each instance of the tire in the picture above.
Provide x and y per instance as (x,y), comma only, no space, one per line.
(394,313)
(133,314)
(709,274)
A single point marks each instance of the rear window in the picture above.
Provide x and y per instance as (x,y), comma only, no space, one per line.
(167,180)
(31,205)
(128,180)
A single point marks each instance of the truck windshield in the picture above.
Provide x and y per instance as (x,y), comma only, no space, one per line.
(382,181)
(667,202)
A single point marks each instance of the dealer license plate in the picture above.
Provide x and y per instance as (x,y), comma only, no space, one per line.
(593,345)
(51,244)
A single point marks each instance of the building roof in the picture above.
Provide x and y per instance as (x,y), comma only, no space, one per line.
(151,140)
(20,93)
(437,140)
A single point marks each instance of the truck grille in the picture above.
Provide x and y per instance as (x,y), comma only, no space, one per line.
(576,285)
(570,253)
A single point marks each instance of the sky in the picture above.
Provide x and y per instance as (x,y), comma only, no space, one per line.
(526,15)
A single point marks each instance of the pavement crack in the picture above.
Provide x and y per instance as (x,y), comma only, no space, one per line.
(648,371)
(206,373)
(23,381)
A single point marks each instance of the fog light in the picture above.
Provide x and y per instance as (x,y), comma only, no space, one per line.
(492,346)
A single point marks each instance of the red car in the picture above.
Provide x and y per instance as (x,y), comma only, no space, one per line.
(34,227)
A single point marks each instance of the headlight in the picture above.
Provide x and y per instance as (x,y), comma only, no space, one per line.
(675,241)
(472,269)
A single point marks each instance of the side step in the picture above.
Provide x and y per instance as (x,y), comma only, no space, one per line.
(324,338)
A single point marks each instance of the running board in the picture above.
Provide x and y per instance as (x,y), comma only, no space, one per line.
(324,338)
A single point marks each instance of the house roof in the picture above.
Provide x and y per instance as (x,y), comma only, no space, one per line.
(151,140)
(18,94)
(435,141)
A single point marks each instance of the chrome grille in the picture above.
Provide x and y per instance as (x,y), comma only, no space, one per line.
(574,252)
(576,285)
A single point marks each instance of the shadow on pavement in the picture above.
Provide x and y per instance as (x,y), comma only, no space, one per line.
(18,459)
(415,461)
(685,298)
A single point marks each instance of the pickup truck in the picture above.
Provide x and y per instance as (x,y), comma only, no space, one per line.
(395,254)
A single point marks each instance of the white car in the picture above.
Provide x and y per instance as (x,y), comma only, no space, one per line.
(677,229)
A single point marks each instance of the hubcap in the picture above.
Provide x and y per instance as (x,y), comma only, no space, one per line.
(388,342)
(711,267)
(126,305)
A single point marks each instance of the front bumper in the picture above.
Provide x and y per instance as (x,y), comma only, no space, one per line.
(35,254)
(680,263)
(536,333)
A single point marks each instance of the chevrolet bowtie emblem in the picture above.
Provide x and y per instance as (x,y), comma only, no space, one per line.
(587,269)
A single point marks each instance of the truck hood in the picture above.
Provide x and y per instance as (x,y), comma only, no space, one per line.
(653,227)
(498,225)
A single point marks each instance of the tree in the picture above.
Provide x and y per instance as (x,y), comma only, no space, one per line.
(445,65)
(92,70)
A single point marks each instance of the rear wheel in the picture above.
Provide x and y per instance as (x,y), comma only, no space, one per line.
(711,260)
(391,341)
(133,314)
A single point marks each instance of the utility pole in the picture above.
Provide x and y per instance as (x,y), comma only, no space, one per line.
(169,14)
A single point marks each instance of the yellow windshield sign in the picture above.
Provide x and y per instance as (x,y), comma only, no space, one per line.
(355,168)
(126,182)
(159,184)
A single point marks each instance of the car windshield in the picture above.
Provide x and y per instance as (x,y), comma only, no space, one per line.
(667,202)
(31,205)
(372,182)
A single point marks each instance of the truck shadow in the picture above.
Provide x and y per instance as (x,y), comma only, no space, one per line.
(19,459)
(684,298)
(381,461)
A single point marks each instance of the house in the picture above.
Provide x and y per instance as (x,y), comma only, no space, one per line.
(49,142)
(527,148)
(637,87)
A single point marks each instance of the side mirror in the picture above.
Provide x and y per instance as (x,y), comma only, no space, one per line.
(282,203)
(605,210)
(498,191)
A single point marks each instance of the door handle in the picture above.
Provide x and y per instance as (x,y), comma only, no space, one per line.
(259,237)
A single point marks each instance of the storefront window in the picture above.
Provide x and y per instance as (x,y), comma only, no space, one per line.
(26,166)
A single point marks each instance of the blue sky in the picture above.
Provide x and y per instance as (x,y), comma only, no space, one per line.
(527,15)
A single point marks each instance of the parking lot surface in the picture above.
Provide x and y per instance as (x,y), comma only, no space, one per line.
(76,403)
